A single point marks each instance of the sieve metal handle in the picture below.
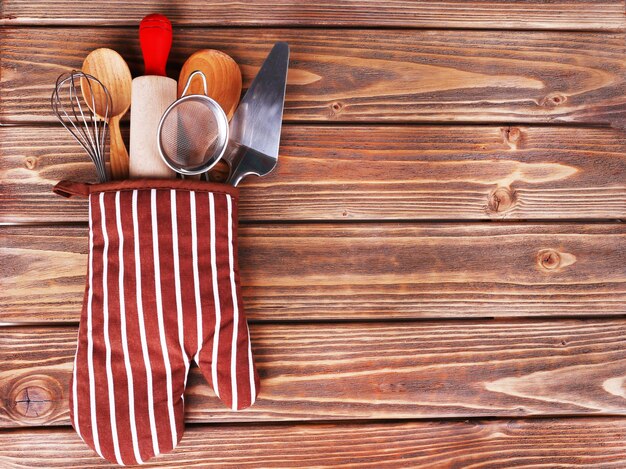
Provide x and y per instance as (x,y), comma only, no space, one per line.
(197,72)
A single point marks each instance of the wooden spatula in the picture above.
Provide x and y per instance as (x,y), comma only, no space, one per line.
(150,97)
(222,75)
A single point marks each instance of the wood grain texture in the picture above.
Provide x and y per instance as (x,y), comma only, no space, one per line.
(369,173)
(493,14)
(583,443)
(366,371)
(364,75)
(329,272)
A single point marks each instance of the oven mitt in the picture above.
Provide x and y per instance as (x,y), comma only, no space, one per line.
(162,289)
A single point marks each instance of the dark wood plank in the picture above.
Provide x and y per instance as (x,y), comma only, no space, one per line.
(364,371)
(360,173)
(591,442)
(493,14)
(306,272)
(364,75)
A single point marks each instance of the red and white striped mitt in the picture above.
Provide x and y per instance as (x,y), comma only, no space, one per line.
(162,289)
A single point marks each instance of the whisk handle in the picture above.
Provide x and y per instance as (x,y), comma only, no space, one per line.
(118,154)
(155,38)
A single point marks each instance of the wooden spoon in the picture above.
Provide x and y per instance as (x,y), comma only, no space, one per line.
(110,68)
(222,75)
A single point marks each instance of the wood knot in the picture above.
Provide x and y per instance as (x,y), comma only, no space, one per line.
(31,162)
(551,259)
(34,398)
(336,107)
(553,100)
(512,136)
(500,200)
(33,401)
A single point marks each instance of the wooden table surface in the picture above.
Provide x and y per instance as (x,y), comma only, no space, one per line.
(435,274)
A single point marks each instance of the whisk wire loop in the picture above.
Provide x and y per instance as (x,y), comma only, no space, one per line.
(78,114)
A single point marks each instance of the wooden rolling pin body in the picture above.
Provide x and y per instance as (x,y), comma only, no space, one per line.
(150,97)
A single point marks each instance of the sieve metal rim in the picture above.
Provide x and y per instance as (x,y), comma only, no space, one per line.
(223,133)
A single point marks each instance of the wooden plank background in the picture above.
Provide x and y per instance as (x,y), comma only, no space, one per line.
(518,14)
(435,273)
(401,370)
(479,443)
(364,75)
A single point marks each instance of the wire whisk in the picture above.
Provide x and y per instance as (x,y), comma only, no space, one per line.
(74,101)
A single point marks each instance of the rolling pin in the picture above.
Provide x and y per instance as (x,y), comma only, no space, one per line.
(151,94)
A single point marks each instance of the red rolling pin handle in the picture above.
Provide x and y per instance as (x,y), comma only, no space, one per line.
(155,38)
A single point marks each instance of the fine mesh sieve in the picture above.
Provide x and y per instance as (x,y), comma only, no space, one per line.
(193,132)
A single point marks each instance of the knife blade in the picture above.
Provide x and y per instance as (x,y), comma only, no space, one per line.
(257,122)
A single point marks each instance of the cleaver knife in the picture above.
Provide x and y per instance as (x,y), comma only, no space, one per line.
(255,126)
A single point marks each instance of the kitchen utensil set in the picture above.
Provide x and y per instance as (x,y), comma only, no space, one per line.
(164,239)
(168,136)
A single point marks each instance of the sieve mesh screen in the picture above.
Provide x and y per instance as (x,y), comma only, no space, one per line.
(190,134)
